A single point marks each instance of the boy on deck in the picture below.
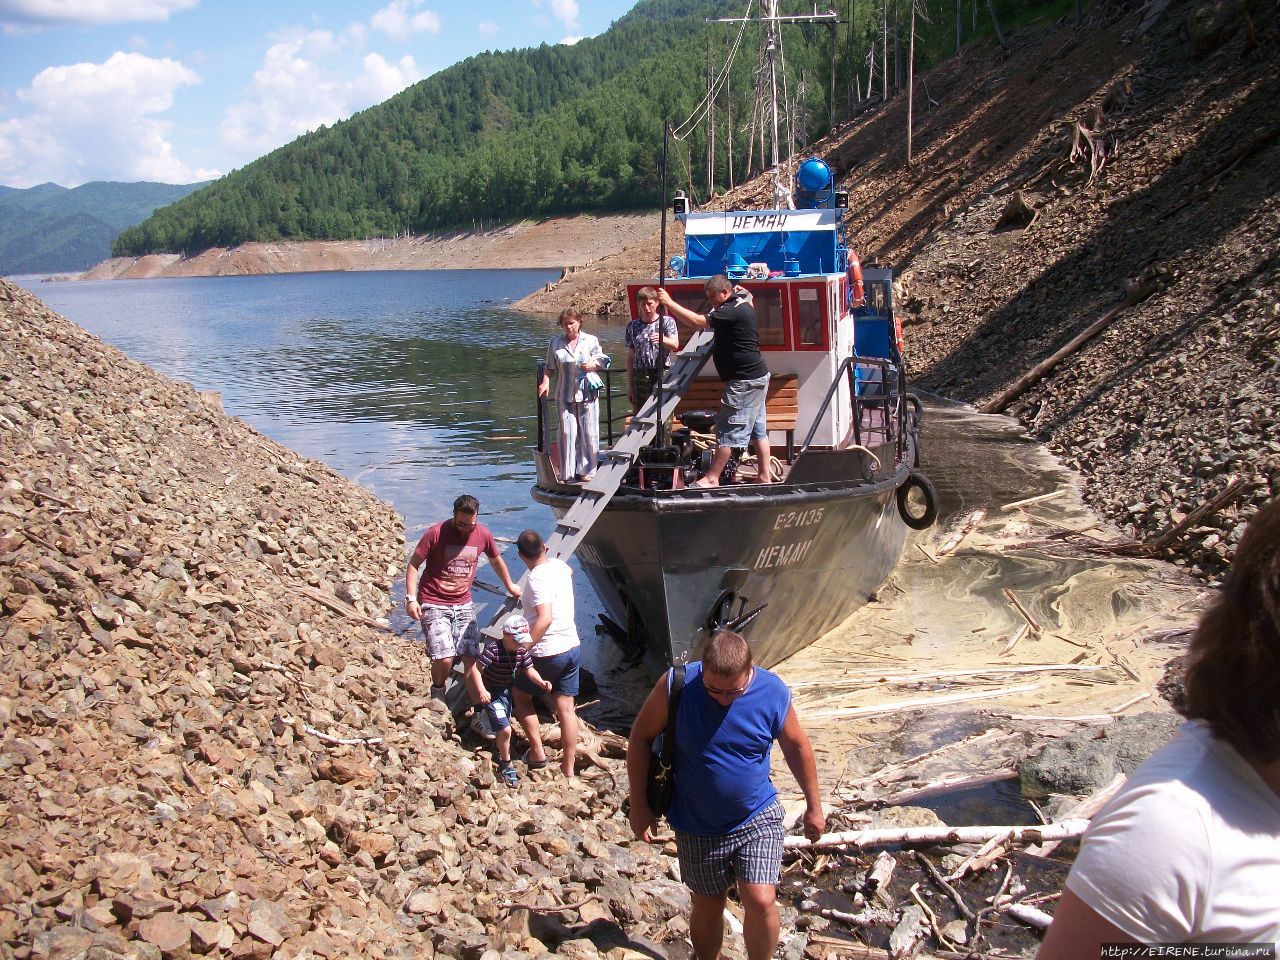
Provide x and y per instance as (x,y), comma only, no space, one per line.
(490,679)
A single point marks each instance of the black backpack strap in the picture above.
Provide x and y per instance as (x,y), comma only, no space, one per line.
(673,705)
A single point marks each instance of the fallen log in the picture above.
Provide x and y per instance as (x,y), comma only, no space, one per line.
(1026,614)
(970,524)
(1237,487)
(1138,291)
(1029,915)
(875,710)
(1084,810)
(963,781)
(885,836)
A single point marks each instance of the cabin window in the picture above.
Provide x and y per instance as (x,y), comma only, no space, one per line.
(809,316)
(770,317)
(877,298)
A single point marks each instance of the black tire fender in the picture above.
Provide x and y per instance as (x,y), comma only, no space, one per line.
(916,479)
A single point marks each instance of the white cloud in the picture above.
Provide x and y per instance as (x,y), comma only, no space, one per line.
(96,121)
(398,22)
(566,11)
(301,85)
(487,27)
(569,41)
(89,12)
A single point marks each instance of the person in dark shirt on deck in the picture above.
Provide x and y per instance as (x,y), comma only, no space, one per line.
(736,351)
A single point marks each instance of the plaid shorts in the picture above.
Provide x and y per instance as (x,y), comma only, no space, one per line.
(751,854)
(450,631)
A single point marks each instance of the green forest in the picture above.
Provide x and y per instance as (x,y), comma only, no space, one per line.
(562,129)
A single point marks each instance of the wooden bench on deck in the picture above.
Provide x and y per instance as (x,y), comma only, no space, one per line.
(781,402)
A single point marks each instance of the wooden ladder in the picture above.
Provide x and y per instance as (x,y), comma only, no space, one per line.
(618,460)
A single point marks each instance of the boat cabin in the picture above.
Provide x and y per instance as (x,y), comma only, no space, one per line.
(796,268)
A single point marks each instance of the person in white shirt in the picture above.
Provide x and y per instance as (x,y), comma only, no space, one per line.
(1189,850)
(547,602)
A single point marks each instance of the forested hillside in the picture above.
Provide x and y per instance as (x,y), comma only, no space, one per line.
(48,227)
(553,130)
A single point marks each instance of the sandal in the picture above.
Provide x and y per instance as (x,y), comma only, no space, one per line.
(508,773)
(531,763)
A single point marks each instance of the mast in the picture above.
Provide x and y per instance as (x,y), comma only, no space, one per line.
(772,21)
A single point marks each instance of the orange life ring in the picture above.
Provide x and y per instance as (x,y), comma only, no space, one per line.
(897,332)
(857,292)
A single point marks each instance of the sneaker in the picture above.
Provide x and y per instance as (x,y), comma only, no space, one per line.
(437,693)
(482,725)
(507,771)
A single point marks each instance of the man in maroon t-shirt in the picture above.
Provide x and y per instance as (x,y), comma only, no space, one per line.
(449,554)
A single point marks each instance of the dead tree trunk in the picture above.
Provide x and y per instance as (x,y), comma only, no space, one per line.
(1138,291)
(959,24)
(911,79)
(995,23)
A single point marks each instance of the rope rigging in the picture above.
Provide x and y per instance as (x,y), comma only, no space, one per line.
(700,111)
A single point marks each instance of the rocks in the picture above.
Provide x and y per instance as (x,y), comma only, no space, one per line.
(1087,761)
(172,697)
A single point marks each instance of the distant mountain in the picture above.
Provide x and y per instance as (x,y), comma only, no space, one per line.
(50,228)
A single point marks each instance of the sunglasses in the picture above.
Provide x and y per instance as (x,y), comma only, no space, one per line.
(735,692)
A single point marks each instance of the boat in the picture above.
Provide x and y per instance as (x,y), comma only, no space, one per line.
(783,562)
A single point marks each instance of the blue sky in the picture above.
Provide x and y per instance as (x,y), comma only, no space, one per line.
(183,90)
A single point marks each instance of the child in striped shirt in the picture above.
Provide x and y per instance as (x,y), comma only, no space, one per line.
(490,679)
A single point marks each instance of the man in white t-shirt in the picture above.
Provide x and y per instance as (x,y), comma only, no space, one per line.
(547,602)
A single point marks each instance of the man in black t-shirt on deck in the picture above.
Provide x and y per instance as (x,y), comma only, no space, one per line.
(736,351)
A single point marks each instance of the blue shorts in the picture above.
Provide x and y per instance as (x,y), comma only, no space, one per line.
(499,708)
(561,669)
(751,854)
(742,412)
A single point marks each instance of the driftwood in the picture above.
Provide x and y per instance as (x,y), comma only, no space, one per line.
(1236,488)
(338,607)
(876,710)
(1136,291)
(960,781)
(895,771)
(1084,810)
(879,875)
(932,558)
(890,678)
(970,524)
(329,738)
(1029,915)
(886,836)
(870,917)
(1015,638)
(1026,615)
(1030,500)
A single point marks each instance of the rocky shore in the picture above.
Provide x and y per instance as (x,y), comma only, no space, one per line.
(210,744)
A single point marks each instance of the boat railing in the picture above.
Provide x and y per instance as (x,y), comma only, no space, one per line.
(611,425)
(876,387)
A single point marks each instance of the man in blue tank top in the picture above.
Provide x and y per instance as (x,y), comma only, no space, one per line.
(725,810)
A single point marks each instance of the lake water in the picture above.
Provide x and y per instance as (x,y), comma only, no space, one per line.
(416,384)
(420,384)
